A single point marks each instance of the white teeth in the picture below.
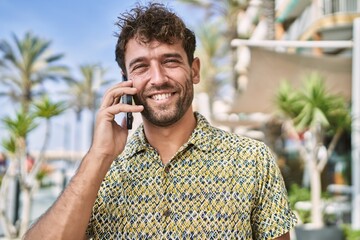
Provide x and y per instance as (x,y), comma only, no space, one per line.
(161,96)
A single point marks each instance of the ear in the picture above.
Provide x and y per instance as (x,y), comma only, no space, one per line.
(195,70)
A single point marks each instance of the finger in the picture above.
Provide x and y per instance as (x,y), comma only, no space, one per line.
(119,85)
(113,95)
(117,100)
(120,107)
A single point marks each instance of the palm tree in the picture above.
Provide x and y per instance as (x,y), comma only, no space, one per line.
(15,145)
(215,37)
(19,127)
(26,66)
(316,112)
(212,45)
(46,109)
(226,10)
(84,92)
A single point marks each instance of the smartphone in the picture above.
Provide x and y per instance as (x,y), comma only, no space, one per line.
(127,99)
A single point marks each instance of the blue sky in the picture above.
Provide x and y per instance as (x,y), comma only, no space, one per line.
(81,29)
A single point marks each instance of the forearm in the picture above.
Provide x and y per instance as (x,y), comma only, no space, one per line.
(70,214)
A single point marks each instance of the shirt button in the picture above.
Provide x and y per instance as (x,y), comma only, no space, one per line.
(167,169)
(167,213)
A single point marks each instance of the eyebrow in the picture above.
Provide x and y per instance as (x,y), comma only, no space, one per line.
(175,55)
(166,55)
(134,61)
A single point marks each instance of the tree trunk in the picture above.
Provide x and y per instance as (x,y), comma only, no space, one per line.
(7,226)
(26,210)
(311,147)
(78,132)
(316,209)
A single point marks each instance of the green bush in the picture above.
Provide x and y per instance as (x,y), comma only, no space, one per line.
(296,194)
(351,234)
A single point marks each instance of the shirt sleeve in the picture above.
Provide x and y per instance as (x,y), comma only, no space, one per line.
(271,216)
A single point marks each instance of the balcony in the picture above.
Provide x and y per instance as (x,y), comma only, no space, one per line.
(340,6)
(317,20)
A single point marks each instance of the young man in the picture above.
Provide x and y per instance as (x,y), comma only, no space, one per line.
(177,176)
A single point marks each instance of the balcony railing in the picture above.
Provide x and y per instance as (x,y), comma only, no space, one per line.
(340,6)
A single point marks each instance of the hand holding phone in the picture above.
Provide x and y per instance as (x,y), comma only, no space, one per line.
(127,99)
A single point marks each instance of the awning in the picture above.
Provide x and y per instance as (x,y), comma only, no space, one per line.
(269,68)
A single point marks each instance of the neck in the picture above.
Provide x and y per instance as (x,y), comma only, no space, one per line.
(168,140)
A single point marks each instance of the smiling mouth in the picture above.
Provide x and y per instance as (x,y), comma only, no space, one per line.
(162,96)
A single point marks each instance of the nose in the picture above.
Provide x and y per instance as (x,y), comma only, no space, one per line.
(158,76)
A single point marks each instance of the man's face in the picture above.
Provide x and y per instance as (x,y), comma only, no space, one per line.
(164,80)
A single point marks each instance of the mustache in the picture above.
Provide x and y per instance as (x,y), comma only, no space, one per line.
(165,86)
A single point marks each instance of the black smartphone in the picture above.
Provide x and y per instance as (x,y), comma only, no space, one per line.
(127,99)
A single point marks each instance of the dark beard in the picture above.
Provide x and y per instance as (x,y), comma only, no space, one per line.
(163,116)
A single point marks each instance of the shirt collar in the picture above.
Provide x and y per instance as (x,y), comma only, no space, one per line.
(200,137)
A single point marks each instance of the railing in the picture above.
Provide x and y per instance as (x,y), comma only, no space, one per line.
(340,6)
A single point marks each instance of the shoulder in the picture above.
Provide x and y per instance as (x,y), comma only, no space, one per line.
(236,143)
(228,145)
(207,134)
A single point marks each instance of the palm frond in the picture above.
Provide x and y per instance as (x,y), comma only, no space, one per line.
(20,125)
(9,144)
(313,105)
(29,64)
(47,109)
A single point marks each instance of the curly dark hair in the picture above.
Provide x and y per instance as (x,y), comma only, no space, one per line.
(152,22)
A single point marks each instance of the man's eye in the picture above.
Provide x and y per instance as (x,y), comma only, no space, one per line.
(171,61)
(139,66)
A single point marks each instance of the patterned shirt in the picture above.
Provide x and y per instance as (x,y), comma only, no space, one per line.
(217,186)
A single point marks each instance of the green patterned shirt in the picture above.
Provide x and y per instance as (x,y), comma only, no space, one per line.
(217,186)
